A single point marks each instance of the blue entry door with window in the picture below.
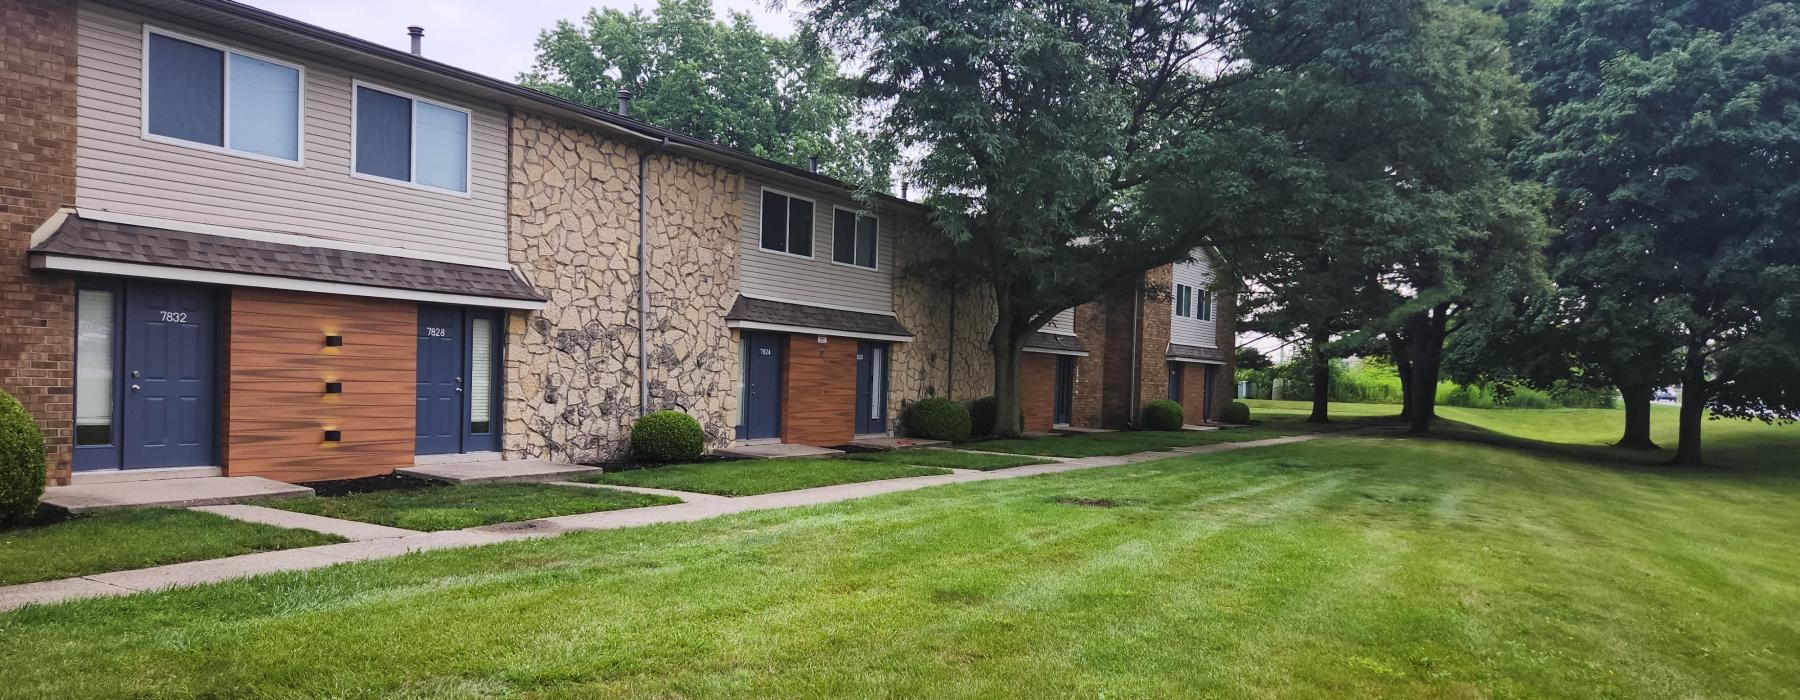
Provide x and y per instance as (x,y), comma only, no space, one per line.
(440,378)
(762,387)
(1063,407)
(167,411)
(871,388)
(1175,382)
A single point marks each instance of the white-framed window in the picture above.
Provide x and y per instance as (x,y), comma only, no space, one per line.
(1184,300)
(401,137)
(1205,303)
(854,238)
(211,96)
(787,223)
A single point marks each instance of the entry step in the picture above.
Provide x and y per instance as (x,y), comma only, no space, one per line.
(497,471)
(177,493)
(894,443)
(775,451)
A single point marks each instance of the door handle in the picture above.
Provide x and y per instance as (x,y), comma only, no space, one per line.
(459,390)
(135,387)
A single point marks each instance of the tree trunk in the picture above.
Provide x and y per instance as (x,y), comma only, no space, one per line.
(1321,381)
(1009,418)
(1403,368)
(1693,405)
(1637,417)
(1427,353)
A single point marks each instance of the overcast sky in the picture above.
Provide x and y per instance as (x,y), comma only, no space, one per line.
(492,37)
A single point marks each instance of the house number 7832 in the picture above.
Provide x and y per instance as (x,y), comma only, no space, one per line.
(174,317)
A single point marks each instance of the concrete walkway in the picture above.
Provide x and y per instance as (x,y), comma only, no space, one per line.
(496,471)
(347,529)
(202,491)
(696,507)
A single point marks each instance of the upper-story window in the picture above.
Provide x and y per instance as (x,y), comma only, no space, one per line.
(787,224)
(1204,301)
(853,238)
(1184,300)
(410,139)
(198,93)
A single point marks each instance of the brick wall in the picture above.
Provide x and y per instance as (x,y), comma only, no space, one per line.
(1090,326)
(1037,391)
(818,391)
(1193,392)
(1153,348)
(37,176)
(1225,382)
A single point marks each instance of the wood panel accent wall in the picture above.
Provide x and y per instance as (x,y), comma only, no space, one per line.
(277,409)
(1037,391)
(818,393)
(1193,392)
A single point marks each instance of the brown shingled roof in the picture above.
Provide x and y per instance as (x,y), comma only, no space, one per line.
(1195,352)
(1055,341)
(789,314)
(103,240)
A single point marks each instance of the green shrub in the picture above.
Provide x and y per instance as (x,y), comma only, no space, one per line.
(1522,396)
(667,436)
(936,419)
(1464,395)
(1238,412)
(981,416)
(21,461)
(1163,414)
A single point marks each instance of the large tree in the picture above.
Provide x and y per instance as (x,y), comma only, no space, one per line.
(727,82)
(1671,136)
(1050,133)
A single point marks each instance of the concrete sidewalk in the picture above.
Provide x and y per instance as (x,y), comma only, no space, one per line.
(697,507)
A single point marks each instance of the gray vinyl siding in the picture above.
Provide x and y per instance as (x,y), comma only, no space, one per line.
(817,280)
(120,171)
(1187,330)
(1063,323)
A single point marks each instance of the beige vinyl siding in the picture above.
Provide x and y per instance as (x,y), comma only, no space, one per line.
(1063,323)
(1187,330)
(118,170)
(818,280)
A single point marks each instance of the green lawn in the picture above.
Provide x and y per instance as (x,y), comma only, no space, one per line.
(1344,567)
(457,507)
(119,540)
(1127,442)
(753,476)
(931,457)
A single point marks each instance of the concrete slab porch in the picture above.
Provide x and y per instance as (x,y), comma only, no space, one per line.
(497,471)
(1077,430)
(202,491)
(775,451)
(1199,428)
(893,443)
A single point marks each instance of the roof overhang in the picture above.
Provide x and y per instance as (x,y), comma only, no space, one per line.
(1195,354)
(1055,344)
(756,313)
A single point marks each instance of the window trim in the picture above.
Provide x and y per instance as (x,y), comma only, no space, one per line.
(1203,306)
(412,147)
(224,97)
(108,456)
(761,197)
(835,208)
(1183,300)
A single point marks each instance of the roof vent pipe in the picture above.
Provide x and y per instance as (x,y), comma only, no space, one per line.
(624,103)
(418,39)
(903,189)
(812,163)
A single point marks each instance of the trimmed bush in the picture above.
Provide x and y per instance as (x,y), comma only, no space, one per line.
(981,416)
(936,419)
(667,436)
(1163,414)
(1522,396)
(21,462)
(1238,412)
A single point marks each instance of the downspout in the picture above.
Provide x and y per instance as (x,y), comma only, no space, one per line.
(643,261)
(950,384)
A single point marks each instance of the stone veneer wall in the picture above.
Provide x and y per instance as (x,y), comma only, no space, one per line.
(37,177)
(571,368)
(922,368)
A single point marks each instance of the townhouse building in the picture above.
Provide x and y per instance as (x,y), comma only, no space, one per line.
(234,243)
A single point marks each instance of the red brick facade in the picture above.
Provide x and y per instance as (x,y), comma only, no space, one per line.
(37,176)
(1090,371)
(1134,322)
(1037,391)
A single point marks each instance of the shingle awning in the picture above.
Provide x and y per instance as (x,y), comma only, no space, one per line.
(765,314)
(1055,343)
(1196,353)
(83,244)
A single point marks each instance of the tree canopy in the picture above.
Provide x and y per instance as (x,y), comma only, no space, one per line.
(728,82)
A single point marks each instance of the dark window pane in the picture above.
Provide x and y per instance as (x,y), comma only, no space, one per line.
(800,227)
(383,134)
(774,221)
(843,236)
(865,241)
(187,91)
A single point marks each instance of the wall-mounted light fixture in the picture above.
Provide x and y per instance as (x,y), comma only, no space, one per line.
(334,387)
(334,436)
(334,341)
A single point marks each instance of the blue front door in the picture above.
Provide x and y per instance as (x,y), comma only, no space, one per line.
(439,423)
(871,388)
(762,386)
(1062,408)
(166,416)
